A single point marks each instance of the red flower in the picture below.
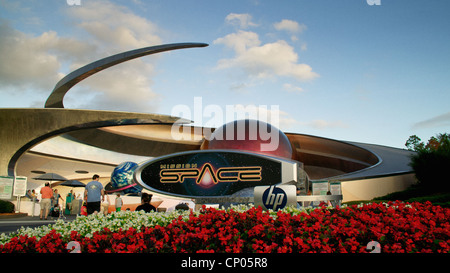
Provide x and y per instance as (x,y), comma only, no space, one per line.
(398,227)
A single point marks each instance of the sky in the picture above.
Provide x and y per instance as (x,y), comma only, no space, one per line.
(343,70)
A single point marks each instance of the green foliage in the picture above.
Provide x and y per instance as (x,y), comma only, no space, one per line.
(431,161)
(414,143)
(440,144)
(436,198)
(6,206)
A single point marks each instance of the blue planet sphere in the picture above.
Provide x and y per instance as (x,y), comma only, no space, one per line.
(122,177)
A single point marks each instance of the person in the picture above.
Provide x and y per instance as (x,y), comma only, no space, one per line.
(29,195)
(56,197)
(46,201)
(33,194)
(69,198)
(94,194)
(145,203)
(182,206)
(84,210)
(118,202)
(329,201)
(105,204)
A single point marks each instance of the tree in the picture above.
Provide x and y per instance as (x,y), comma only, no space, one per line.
(439,143)
(414,143)
(431,162)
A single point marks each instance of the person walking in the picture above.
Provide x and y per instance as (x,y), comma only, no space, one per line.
(46,200)
(94,194)
(118,203)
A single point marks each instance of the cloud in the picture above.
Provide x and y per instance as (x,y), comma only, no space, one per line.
(323,124)
(292,89)
(38,62)
(434,122)
(29,61)
(113,29)
(242,20)
(263,60)
(240,42)
(290,26)
(125,88)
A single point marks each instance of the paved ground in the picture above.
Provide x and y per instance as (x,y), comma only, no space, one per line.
(8,225)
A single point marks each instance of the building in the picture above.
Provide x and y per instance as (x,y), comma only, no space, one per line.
(78,143)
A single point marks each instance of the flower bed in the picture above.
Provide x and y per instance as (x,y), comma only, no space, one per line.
(398,227)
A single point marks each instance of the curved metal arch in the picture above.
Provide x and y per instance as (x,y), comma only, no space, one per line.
(55,100)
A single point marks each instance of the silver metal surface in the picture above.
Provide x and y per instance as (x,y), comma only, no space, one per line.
(305,198)
(274,199)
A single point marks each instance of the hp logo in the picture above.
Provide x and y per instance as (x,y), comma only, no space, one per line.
(274,198)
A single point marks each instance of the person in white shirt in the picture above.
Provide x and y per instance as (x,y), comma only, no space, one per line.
(105,204)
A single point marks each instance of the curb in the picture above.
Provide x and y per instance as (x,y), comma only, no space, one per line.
(12,215)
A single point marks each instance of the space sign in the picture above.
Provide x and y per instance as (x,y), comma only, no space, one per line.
(212,173)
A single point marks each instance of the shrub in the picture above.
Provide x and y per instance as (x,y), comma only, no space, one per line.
(431,161)
(6,206)
(431,170)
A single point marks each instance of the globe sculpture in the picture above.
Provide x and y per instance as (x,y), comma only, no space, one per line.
(250,135)
(122,178)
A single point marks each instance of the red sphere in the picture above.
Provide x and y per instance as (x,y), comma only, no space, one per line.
(250,135)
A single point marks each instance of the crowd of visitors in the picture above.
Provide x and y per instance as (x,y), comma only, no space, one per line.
(93,201)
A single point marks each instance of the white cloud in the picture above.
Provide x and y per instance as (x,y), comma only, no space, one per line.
(114,29)
(34,61)
(240,41)
(292,88)
(263,60)
(290,26)
(242,20)
(124,88)
(37,62)
(114,26)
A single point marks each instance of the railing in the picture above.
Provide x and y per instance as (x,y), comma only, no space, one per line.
(300,199)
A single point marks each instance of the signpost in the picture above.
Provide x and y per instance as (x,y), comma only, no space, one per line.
(20,186)
(335,189)
(319,188)
(6,187)
(20,189)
